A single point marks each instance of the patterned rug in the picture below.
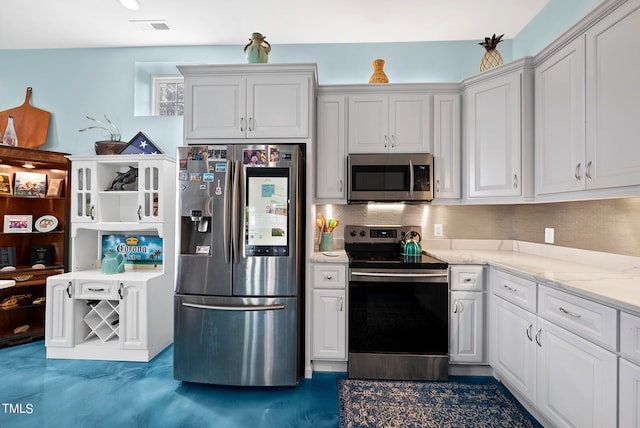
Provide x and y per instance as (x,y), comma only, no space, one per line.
(365,403)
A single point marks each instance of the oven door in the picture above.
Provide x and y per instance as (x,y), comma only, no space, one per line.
(398,324)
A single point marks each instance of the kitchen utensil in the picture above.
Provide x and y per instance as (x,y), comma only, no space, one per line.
(320,225)
(31,123)
(412,245)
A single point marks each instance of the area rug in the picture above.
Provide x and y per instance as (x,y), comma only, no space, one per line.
(365,403)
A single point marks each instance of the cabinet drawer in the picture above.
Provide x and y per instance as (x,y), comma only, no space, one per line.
(467,278)
(95,289)
(328,276)
(630,337)
(590,320)
(514,289)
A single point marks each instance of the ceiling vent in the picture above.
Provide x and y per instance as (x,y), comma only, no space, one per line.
(150,25)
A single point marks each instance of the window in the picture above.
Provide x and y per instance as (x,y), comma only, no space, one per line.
(167,95)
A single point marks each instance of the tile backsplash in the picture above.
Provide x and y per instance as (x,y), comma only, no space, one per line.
(608,225)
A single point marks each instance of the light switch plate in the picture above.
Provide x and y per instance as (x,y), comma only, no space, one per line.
(437,230)
(549,235)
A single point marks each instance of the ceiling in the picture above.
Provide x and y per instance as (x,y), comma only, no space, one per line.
(44,24)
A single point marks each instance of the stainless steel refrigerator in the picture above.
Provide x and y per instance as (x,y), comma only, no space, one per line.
(238,302)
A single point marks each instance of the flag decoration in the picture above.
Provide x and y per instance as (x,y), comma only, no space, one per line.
(140,144)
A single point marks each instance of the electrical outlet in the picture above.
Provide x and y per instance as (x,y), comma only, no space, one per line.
(437,230)
(549,233)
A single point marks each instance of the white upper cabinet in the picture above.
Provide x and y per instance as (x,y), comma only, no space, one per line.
(559,121)
(446,146)
(380,123)
(498,123)
(613,90)
(331,148)
(586,114)
(267,101)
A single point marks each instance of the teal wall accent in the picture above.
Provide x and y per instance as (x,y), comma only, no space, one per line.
(74,83)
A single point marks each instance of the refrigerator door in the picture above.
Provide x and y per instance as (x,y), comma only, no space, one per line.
(204,199)
(236,341)
(267,251)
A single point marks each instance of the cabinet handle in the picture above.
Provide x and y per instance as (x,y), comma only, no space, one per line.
(577,173)
(393,141)
(587,171)
(340,304)
(340,185)
(95,289)
(515,181)
(386,142)
(515,290)
(250,124)
(120,290)
(467,280)
(92,212)
(69,289)
(438,186)
(329,277)
(139,212)
(573,314)
(242,124)
(529,332)
(538,337)
(456,306)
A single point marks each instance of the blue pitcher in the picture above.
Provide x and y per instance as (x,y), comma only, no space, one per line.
(113,263)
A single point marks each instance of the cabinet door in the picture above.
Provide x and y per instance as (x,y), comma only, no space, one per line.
(577,380)
(629,405)
(560,116)
(493,135)
(466,343)
(329,321)
(84,190)
(215,107)
(409,123)
(612,92)
(447,146)
(513,351)
(331,148)
(133,315)
(150,192)
(368,124)
(59,313)
(278,107)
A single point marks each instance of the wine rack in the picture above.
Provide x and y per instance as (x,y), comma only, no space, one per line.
(103,319)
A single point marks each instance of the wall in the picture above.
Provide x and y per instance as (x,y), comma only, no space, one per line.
(73,83)
(611,225)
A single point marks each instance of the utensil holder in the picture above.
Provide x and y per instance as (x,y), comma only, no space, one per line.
(326,241)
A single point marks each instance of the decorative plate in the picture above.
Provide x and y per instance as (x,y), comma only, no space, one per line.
(46,223)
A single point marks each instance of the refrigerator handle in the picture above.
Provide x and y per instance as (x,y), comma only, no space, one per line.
(225,217)
(235,215)
(236,308)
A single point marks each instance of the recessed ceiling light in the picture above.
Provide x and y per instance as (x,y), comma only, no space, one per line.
(130,4)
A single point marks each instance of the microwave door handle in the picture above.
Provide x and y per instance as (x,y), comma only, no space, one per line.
(411,178)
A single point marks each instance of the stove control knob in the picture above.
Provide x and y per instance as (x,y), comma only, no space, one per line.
(363,233)
(352,233)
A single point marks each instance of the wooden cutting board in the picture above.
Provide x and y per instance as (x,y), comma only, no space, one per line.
(31,123)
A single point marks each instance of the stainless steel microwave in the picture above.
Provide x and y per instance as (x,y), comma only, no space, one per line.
(390,177)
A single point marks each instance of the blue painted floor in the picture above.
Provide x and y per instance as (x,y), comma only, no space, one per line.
(37,392)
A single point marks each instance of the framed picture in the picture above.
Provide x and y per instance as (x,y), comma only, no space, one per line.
(18,223)
(5,184)
(30,184)
(140,144)
(54,189)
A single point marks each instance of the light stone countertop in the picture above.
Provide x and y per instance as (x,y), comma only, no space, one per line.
(335,256)
(611,279)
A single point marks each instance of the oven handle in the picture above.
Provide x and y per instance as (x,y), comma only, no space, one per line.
(400,275)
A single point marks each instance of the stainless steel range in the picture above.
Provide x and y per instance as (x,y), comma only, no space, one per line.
(398,307)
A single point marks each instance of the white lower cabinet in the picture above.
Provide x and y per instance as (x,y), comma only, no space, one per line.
(569,379)
(329,312)
(467,330)
(91,316)
(629,393)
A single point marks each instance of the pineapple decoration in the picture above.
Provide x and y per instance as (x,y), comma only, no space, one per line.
(492,57)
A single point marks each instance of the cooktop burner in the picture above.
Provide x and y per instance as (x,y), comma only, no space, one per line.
(380,247)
